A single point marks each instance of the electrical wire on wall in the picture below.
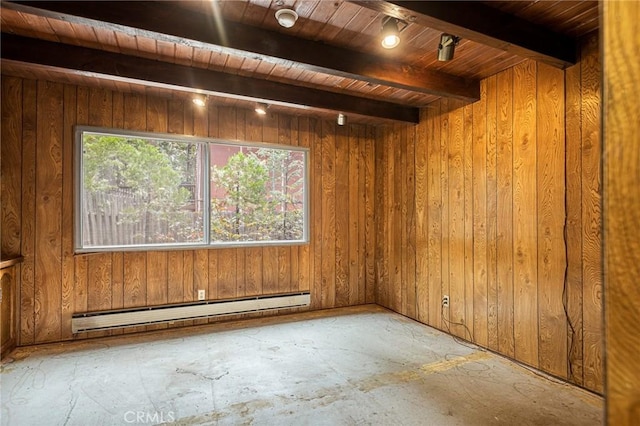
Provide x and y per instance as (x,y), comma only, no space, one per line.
(473,346)
(446,323)
(565,295)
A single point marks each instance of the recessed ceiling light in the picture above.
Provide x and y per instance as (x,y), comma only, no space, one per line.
(286,17)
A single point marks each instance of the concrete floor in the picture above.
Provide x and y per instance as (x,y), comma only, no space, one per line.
(354,366)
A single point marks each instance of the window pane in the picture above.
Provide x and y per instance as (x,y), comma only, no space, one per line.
(257,194)
(138,191)
(148,191)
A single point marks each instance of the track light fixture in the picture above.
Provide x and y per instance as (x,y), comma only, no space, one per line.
(342,119)
(199,100)
(261,108)
(391,29)
(447,47)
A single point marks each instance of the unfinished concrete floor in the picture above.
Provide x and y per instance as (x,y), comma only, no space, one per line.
(354,366)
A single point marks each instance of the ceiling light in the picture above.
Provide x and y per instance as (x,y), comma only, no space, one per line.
(261,108)
(286,17)
(447,47)
(199,100)
(391,31)
(342,119)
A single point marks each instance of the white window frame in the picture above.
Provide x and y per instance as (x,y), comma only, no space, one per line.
(79,185)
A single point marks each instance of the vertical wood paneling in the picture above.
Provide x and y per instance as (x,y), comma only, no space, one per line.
(117,286)
(591,216)
(187,279)
(135,279)
(157,276)
(398,240)
(573,173)
(11,218)
(369,165)
(467,162)
(397,288)
(316,211)
(389,224)
(99,282)
(504,204)
(490,218)
(444,188)
(480,217)
(551,219)
(27,291)
(48,220)
(342,287)
(11,166)
(525,238)
(382,222)
(456,223)
(175,277)
(410,224)
(421,218)
(401,219)
(328,208)
(157,281)
(355,280)
(434,215)
(621,204)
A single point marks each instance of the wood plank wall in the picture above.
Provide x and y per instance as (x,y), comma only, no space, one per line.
(472,203)
(621,205)
(584,217)
(37,148)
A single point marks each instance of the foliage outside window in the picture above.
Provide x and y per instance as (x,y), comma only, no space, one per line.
(143,191)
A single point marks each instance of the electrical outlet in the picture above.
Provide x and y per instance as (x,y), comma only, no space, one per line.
(201,295)
(445,301)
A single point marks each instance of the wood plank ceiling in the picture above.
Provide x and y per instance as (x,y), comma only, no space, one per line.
(331,60)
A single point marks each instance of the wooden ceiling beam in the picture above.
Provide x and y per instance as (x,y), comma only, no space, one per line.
(475,21)
(133,69)
(168,22)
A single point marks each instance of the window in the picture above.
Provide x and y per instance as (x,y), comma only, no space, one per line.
(148,191)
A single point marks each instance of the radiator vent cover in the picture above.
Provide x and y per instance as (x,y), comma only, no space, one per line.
(105,320)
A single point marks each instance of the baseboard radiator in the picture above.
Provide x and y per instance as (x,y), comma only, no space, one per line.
(105,320)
